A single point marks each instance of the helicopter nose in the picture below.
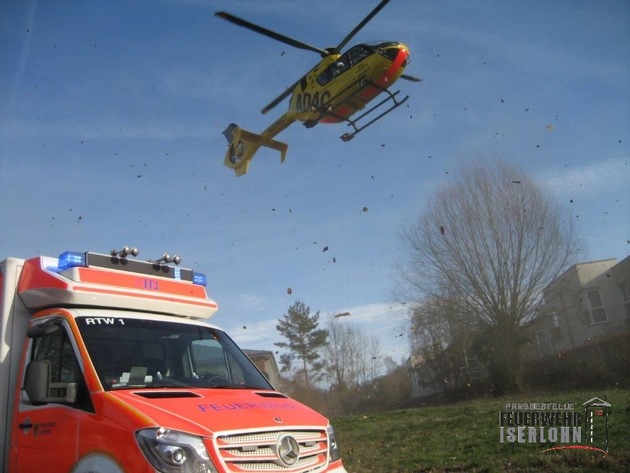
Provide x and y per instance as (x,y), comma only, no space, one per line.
(394,51)
(403,50)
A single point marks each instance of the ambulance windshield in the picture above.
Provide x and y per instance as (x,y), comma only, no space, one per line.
(140,353)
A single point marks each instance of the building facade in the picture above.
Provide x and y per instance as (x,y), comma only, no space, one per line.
(266,363)
(587,303)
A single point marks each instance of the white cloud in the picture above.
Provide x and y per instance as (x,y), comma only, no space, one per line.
(252,302)
(385,320)
(377,312)
(260,335)
(590,179)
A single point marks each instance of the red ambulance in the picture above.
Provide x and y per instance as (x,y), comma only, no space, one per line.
(107,365)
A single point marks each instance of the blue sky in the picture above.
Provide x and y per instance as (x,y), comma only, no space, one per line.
(111,116)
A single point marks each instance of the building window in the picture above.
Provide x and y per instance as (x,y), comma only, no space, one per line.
(593,311)
(555,330)
(474,372)
(544,342)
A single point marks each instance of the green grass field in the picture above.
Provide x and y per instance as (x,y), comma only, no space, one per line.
(464,437)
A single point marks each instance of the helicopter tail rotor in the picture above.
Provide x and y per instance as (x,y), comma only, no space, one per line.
(243,145)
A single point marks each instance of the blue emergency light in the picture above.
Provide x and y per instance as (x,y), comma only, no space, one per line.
(73,259)
(199,279)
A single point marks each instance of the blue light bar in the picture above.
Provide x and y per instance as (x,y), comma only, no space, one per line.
(72,259)
(199,279)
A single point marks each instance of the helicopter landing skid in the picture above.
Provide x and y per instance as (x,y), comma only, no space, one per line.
(353,123)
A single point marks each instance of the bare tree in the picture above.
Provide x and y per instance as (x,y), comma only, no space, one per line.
(374,356)
(339,354)
(493,239)
(440,336)
(352,357)
(353,360)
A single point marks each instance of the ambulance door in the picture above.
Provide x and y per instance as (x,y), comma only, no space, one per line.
(46,432)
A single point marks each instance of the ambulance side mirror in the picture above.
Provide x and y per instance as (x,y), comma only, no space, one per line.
(37,381)
(41,330)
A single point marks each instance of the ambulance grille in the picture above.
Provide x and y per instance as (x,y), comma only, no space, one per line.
(259,451)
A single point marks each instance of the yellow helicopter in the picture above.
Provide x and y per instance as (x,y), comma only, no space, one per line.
(335,89)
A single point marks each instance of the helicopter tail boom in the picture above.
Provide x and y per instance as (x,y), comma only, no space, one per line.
(243,145)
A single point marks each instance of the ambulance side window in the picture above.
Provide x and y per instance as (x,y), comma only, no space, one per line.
(209,358)
(64,366)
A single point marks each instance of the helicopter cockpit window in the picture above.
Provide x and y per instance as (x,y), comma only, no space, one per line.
(332,71)
(358,53)
(325,77)
(352,57)
(388,49)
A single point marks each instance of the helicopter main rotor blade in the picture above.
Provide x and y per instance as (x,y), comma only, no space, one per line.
(361,25)
(411,78)
(271,34)
(280,97)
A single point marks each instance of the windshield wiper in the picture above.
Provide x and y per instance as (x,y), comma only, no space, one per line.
(167,383)
(157,383)
(236,386)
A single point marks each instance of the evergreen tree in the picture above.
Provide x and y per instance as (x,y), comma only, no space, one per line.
(304,340)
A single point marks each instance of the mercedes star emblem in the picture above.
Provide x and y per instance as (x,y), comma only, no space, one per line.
(288,450)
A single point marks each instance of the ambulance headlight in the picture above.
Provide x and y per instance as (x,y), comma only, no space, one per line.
(171,451)
(333,448)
